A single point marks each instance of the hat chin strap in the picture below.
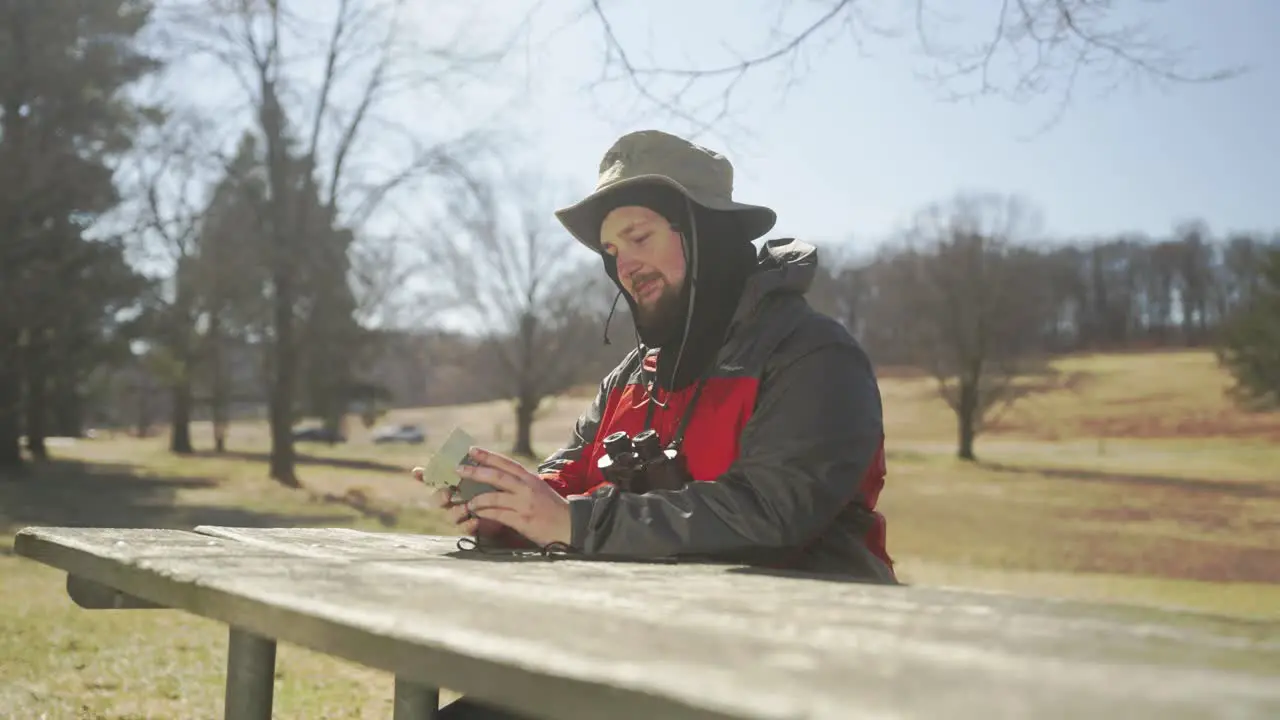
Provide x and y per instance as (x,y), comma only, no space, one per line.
(613,309)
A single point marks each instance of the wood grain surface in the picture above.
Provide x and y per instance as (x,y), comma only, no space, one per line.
(580,639)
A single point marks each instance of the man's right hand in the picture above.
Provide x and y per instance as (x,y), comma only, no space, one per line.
(458,513)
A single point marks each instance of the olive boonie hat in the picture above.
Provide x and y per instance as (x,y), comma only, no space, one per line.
(651,156)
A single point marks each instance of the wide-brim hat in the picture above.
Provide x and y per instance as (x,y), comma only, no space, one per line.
(651,156)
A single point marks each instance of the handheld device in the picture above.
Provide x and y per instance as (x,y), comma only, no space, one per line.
(441,470)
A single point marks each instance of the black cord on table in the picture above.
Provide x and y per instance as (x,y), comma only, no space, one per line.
(552,549)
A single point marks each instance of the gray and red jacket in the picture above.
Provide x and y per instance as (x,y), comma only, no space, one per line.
(785,444)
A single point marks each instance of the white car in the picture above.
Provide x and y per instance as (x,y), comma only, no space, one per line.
(409,434)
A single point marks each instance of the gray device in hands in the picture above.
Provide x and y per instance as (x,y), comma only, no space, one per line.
(442,471)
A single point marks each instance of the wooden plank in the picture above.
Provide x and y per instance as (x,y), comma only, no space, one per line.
(95,596)
(568,639)
(349,610)
(1065,629)
(336,542)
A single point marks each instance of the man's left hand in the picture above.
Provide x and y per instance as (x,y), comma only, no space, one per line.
(523,502)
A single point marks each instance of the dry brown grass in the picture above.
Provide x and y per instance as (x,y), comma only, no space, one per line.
(1133,395)
(1141,395)
(1140,484)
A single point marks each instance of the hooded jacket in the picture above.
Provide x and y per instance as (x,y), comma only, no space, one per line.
(785,443)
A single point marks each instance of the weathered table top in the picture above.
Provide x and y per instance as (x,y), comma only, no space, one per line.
(563,638)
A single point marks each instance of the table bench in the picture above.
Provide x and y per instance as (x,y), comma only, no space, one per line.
(571,639)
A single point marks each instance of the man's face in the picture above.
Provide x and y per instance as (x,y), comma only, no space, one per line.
(651,264)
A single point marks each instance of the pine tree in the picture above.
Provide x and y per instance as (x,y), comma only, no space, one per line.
(63,118)
(1251,341)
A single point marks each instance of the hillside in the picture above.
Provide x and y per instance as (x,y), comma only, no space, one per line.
(1124,396)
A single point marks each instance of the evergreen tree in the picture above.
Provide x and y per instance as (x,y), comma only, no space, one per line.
(63,118)
(1251,341)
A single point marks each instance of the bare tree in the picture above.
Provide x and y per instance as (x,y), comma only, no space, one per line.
(1027,49)
(1195,274)
(318,92)
(167,181)
(526,284)
(974,303)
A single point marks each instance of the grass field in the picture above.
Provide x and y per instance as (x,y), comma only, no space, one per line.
(1137,482)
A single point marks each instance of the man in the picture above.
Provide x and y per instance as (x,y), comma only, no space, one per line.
(773,406)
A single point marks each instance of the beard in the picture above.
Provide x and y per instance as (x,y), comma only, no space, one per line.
(661,320)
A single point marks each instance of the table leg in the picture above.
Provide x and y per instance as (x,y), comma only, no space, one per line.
(251,675)
(415,702)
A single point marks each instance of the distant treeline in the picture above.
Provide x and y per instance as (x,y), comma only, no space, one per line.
(1118,293)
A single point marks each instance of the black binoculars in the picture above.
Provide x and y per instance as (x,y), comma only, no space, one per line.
(641,464)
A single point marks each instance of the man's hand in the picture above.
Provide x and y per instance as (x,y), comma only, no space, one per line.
(457,513)
(523,502)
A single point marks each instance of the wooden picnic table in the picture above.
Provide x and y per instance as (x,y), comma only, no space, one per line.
(569,638)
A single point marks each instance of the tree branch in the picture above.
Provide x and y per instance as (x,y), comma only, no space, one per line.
(1063,38)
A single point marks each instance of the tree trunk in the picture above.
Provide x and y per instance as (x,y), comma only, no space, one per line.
(966,416)
(218,412)
(281,410)
(10,452)
(332,415)
(180,420)
(334,425)
(525,410)
(283,262)
(144,405)
(65,406)
(218,402)
(37,398)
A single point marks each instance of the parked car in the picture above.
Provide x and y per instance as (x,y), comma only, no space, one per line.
(317,433)
(409,434)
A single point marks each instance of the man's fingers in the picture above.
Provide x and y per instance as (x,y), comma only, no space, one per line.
(488,501)
(499,461)
(441,498)
(499,501)
(457,514)
(511,518)
(495,477)
(470,526)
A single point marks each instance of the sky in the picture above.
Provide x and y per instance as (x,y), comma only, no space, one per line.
(846,141)
(864,140)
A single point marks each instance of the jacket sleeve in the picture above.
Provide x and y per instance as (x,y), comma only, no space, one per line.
(567,469)
(815,430)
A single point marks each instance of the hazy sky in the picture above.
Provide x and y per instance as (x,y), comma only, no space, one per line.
(863,141)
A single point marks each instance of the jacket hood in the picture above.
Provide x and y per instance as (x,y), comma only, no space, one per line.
(783,265)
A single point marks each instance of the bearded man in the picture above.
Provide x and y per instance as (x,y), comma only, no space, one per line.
(769,408)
